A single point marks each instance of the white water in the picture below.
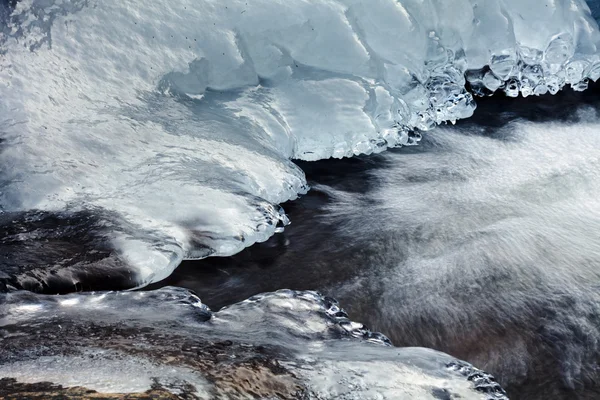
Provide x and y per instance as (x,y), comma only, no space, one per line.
(179,118)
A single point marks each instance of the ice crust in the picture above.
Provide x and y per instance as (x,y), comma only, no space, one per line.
(180,118)
(122,342)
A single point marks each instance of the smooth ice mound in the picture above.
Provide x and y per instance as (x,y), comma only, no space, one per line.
(173,123)
(285,345)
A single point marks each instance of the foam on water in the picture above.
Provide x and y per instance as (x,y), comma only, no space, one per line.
(178,119)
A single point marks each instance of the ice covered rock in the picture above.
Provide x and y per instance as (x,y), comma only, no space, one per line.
(284,345)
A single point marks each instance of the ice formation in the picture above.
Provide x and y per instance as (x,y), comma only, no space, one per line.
(175,122)
(286,345)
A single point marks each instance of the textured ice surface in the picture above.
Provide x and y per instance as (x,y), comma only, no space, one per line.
(117,374)
(287,344)
(174,122)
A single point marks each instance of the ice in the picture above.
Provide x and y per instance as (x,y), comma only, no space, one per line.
(115,375)
(286,344)
(179,119)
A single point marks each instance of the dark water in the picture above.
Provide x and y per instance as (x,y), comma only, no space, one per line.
(480,242)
